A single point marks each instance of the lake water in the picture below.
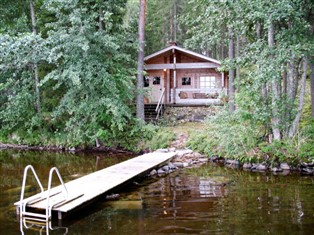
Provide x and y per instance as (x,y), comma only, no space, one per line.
(187,201)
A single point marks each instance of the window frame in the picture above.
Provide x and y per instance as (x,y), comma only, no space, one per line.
(208,82)
(156,80)
(186,81)
(146,81)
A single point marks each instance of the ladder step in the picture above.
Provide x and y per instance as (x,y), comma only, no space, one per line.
(34,214)
(33,219)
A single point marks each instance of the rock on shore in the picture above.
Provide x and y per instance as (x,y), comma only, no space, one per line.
(184,158)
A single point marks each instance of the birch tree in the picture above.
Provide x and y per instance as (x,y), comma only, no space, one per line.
(35,67)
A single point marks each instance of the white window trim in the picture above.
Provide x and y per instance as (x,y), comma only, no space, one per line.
(209,82)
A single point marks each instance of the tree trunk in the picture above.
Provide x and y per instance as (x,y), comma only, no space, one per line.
(140,63)
(231,70)
(258,28)
(275,85)
(291,84)
(101,18)
(33,17)
(35,68)
(296,120)
(312,87)
(264,91)
(292,78)
(174,20)
(284,81)
(238,71)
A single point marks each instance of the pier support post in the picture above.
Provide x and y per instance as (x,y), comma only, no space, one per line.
(59,215)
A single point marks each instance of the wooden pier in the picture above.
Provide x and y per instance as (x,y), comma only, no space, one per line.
(84,189)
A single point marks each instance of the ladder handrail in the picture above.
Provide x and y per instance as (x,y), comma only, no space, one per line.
(23,205)
(160,103)
(65,191)
(48,208)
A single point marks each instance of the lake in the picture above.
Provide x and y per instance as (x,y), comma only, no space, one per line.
(207,200)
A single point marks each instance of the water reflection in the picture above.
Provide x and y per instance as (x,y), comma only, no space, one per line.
(40,227)
(180,203)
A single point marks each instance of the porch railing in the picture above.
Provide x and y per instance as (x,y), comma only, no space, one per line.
(160,104)
(198,95)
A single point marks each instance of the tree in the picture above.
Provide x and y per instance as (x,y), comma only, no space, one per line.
(85,68)
(312,87)
(162,24)
(35,68)
(140,62)
(231,70)
(281,39)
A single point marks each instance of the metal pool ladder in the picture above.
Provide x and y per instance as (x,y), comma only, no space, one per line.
(42,196)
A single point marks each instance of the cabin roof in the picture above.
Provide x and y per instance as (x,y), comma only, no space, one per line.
(189,52)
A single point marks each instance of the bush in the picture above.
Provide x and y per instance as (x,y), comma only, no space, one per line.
(200,141)
(161,139)
(278,151)
(307,151)
(226,135)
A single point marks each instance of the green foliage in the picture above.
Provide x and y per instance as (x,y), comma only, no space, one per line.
(306,150)
(261,65)
(236,137)
(281,151)
(200,142)
(162,25)
(231,136)
(160,138)
(86,74)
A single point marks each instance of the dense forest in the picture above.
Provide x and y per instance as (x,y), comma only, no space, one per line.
(68,70)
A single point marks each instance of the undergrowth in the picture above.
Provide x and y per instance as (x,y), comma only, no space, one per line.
(231,137)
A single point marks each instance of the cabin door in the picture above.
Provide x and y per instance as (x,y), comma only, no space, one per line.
(156,85)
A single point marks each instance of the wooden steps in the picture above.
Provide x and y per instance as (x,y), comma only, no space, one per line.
(150,112)
(86,188)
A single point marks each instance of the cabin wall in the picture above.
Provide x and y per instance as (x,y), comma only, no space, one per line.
(195,75)
(167,75)
(167,81)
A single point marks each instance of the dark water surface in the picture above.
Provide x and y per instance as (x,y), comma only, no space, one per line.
(181,203)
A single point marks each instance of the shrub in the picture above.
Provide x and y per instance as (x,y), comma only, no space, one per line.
(161,139)
(227,135)
(200,142)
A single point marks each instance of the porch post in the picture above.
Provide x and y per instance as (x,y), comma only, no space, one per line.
(174,85)
(174,77)
(222,80)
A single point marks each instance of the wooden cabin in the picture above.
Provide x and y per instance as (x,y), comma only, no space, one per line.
(175,75)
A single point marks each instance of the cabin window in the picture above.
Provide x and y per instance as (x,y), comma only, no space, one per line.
(146,81)
(156,80)
(186,81)
(207,82)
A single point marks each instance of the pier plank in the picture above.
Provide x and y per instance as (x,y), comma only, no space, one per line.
(88,187)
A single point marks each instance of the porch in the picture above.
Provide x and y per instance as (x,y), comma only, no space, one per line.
(197,96)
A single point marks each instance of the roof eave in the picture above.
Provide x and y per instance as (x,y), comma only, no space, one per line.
(182,50)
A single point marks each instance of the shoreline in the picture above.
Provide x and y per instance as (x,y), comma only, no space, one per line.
(64,149)
(186,158)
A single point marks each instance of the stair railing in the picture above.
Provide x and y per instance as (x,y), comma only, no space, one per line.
(160,104)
